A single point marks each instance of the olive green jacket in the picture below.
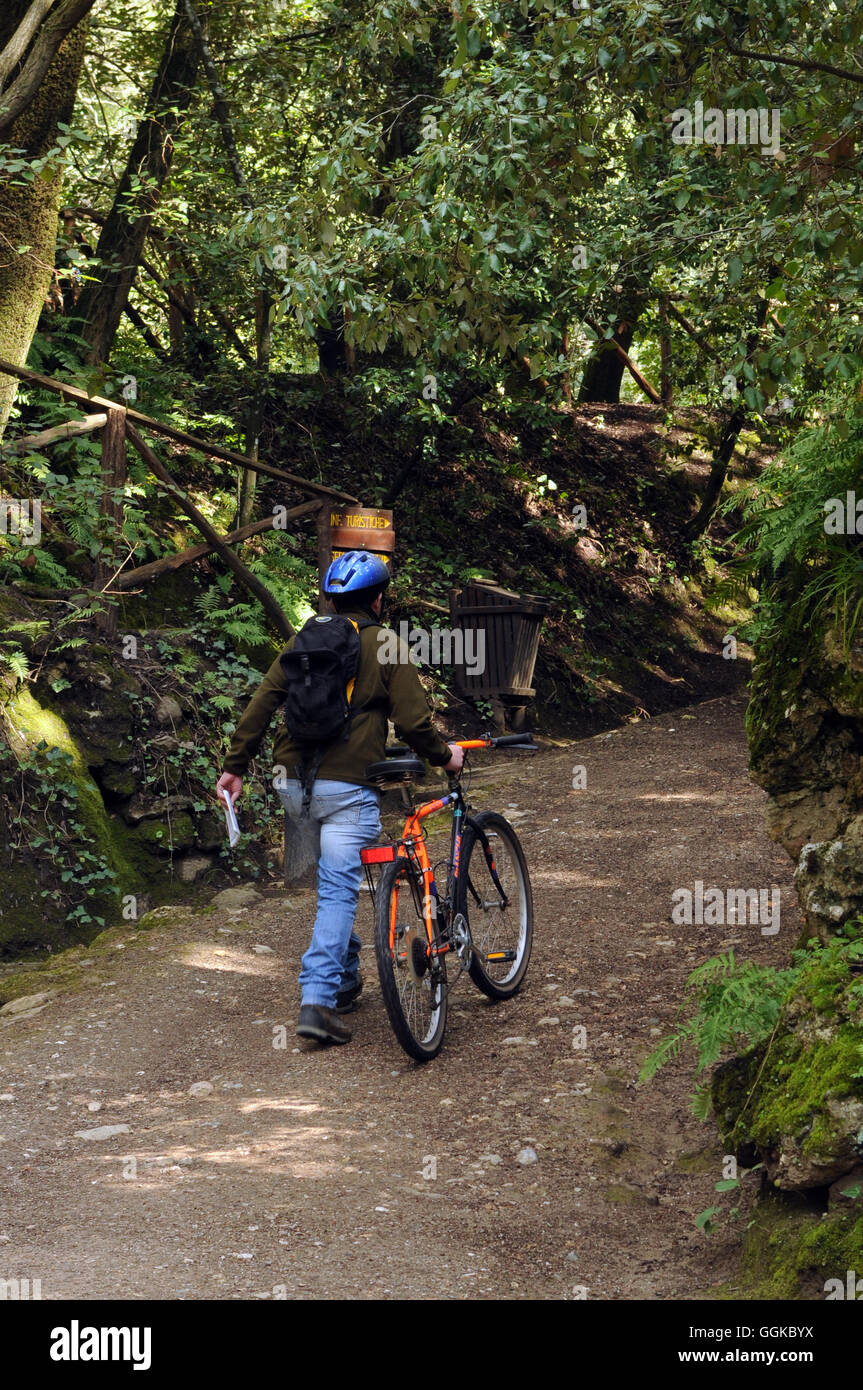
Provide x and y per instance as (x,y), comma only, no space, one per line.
(383,690)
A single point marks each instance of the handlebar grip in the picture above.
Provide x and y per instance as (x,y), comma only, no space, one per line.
(514,741)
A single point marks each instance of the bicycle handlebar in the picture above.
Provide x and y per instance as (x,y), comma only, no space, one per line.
(500,741)
(400,750)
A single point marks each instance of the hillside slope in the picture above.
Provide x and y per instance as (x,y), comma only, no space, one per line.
(584,507)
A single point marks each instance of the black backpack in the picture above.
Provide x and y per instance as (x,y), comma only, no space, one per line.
(320,671)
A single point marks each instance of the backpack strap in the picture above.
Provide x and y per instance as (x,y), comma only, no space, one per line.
(359,624)
(307,771)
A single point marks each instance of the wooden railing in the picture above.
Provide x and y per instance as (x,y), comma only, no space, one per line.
(120,426)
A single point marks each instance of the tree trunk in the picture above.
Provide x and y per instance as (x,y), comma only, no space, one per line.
(29,53)
(330,340)
(604,372)
(113,509)
(121,244)
(28,214)
(666,381)
(248,480)
(181,306)
(718,474)
(325,553)
(733,425)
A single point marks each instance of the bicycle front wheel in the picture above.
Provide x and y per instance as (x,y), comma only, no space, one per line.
(413,981)
(499,913)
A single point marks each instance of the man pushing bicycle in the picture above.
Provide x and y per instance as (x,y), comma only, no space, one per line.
(337,693)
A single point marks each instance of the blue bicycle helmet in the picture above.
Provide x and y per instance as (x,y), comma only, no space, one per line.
(354,570)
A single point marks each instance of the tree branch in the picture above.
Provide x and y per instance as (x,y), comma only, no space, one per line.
(693,332)
(144,573)
(649,391)
(54,30)
(146,332)
(22,38)
(70,429)
(725,449)
(807,64)
(220,105)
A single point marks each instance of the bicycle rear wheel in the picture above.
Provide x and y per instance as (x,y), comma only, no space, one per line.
(413,983)
(501,936)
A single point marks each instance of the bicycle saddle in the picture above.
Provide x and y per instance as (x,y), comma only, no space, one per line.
(395,770)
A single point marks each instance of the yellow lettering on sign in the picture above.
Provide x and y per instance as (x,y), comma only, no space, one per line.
(359,521)
(386,558)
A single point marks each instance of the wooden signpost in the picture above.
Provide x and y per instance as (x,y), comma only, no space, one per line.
(353,528)
(363,528)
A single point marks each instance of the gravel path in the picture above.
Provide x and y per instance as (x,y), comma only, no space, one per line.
(350,1172)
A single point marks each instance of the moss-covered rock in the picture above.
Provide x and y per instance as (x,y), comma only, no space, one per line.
(805,731)
(119,796)
(98,707)
(167,836)
(118,780)
(209,831)
(796,1101)
(793,1250)
(30,913)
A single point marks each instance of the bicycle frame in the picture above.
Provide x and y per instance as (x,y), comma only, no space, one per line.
(412,845)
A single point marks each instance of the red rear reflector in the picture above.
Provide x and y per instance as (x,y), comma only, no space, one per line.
(378,854)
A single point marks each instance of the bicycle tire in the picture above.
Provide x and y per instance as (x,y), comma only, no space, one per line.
(488,935)
(416,1003)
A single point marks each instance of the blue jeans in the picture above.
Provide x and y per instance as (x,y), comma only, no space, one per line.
(349,818)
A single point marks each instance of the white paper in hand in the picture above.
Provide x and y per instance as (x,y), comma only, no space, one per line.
(231,818)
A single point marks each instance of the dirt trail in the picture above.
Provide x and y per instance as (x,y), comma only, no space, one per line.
(302,1173)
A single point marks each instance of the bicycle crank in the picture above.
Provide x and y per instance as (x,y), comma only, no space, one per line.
(461,939)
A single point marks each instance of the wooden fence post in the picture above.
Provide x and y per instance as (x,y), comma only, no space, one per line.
(325,551)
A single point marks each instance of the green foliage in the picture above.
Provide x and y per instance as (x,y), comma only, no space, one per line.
(735,1004)
(424,174)
(810,578)
(239,621)
(16,662)
(42,816)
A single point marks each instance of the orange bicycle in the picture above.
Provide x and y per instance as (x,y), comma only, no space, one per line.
(484,917)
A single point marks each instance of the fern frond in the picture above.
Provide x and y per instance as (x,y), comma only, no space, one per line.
(666,1050)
